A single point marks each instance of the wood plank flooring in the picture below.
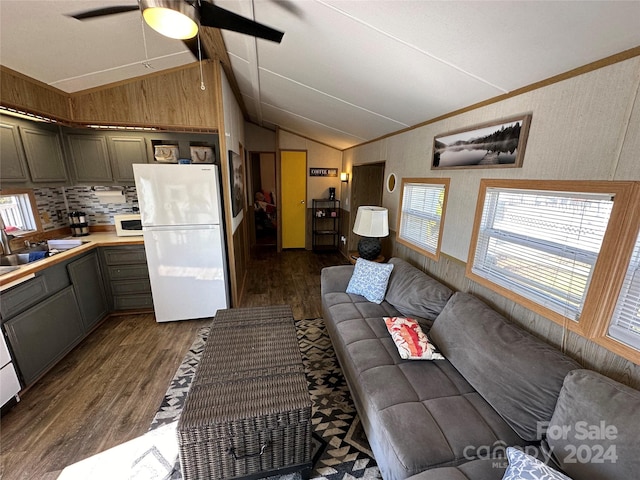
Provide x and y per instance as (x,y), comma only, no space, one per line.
(107,390)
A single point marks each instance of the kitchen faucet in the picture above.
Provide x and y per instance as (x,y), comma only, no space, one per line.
(4,238)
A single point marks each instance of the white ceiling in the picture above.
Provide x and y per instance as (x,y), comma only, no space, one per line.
(346,71)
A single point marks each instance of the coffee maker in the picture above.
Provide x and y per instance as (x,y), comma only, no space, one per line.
(332,193)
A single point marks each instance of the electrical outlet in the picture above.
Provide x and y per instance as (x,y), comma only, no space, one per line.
(343,239)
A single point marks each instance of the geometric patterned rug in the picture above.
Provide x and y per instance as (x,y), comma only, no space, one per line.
(341,451)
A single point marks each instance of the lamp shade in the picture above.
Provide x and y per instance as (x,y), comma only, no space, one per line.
(371,222)
(171,18)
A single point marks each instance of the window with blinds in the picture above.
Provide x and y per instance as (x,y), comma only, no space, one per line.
(625,323)
(421,213)
(542,245)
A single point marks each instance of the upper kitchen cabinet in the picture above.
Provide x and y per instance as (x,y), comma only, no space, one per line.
(124,151)
(104,158)
(43,151)
(89,158)
(13,167)
(31,152)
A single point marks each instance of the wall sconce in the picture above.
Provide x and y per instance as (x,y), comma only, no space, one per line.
(344,177)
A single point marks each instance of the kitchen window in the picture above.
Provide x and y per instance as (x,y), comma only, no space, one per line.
(19,212)
(422,209)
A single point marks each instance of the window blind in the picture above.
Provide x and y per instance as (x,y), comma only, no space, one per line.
(542,245)
(421,213)
(625,323)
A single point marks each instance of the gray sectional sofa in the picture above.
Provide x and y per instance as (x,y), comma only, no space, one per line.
(498,386)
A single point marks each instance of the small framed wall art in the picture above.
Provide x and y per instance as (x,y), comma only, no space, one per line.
(496,144)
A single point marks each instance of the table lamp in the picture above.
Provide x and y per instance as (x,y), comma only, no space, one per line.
(372,223)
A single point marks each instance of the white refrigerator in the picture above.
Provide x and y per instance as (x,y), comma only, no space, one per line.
(181,215)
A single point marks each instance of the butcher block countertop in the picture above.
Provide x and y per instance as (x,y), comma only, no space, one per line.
(89,242)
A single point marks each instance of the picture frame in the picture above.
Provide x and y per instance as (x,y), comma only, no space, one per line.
(236,170)
(495,144)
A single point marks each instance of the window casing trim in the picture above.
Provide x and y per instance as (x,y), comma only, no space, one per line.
(610,267)
(445,182)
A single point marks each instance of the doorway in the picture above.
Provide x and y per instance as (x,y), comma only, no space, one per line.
(263,194)
(293,181)
(366,189)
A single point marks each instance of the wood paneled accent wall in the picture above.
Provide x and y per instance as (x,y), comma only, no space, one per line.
(24,93)
(171,99)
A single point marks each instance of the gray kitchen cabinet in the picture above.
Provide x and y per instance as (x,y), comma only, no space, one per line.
(89,158)
(43,334)
(127,277)
(124,152)
(13,166)
(43,152)
(89,288)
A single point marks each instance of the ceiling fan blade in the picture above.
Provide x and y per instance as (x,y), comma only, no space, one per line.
(214,16)
(101,12)
(192,44)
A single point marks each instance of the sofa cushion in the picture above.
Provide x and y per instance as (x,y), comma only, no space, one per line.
(595,429)
(518,374)
(525,467)
(414,293)
(479,469)
(370,280)
(410,340)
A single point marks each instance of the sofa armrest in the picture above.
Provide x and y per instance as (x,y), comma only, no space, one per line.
(335,279)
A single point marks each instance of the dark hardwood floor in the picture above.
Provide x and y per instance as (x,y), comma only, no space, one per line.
(107,390)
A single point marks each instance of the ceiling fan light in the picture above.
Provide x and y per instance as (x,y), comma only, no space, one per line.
(174,19)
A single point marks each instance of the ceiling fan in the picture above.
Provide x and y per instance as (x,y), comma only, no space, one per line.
(181,19)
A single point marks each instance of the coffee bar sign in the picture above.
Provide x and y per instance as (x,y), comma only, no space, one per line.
(323,172)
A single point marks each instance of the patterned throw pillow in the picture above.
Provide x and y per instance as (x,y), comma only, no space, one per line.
(370,280)
(525,467)
(411,341)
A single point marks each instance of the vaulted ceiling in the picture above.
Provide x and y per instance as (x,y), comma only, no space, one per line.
(346,71)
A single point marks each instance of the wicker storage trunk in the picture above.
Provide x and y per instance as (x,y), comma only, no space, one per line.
(248,411)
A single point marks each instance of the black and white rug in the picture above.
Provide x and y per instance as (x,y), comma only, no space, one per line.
(341,451)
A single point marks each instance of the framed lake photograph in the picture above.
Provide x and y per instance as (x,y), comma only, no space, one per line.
(496,144)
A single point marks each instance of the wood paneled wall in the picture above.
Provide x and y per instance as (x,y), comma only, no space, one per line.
(24,93)
(451,272)
(171,99)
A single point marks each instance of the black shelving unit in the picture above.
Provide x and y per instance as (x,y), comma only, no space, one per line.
(326,224)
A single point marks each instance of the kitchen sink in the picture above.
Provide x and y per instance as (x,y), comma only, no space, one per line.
(6,269)
(23,258)
(14,259)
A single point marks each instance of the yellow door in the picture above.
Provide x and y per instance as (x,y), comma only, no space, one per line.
(293,176)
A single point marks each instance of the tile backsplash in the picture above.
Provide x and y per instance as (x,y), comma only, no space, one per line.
(54,205)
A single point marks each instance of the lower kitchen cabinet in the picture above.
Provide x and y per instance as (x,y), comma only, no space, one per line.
(43,334)
(127,277)
(89,288)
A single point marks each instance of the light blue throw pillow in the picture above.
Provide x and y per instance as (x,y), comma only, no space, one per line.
(526,467)
(370,280)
